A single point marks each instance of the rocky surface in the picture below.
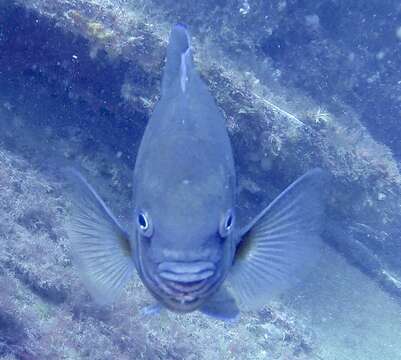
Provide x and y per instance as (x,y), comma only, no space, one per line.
(45,313)
(107,57)
(78,80)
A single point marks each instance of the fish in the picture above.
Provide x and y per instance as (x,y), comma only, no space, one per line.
(185,242)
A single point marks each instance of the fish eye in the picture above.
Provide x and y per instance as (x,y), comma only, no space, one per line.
(227,223)
(144,224)
(143,221)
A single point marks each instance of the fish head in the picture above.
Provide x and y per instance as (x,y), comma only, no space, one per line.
(185,228)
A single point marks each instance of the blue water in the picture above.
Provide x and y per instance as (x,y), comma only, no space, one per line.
(301,83)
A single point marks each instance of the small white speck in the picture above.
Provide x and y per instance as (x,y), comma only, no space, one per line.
(277,73)
(75,57)
(373,78)
(119,154)
(244,10)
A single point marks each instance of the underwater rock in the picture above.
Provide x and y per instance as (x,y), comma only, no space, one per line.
(83,77)
(12,334)
(110,58)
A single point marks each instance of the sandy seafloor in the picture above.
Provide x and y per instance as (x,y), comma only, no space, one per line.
(346,309)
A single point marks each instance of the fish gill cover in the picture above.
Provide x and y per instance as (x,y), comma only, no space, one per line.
(301,85)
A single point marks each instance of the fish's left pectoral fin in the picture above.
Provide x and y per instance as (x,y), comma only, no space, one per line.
(278,248)
(100,248)
(221,306)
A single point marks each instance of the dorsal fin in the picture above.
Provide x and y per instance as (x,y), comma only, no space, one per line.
(179,60)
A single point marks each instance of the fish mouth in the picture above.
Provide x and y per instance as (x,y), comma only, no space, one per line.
(184,286)
(185,281)
(186,272)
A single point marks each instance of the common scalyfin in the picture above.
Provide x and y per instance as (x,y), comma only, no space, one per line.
(185,243)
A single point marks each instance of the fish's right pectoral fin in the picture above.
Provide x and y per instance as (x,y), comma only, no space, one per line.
(100,247)
(281,244)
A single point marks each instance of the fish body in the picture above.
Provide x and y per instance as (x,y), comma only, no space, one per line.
(184,181)
(185,242)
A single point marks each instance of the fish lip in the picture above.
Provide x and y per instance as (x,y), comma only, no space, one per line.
(185,278)
(186,288)
(181,267)
(186,272)
(176,289)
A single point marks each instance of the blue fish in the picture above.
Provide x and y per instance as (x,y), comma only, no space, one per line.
(186,244)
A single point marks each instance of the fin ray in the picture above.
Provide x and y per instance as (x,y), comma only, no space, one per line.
(100,248)
(280,245)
